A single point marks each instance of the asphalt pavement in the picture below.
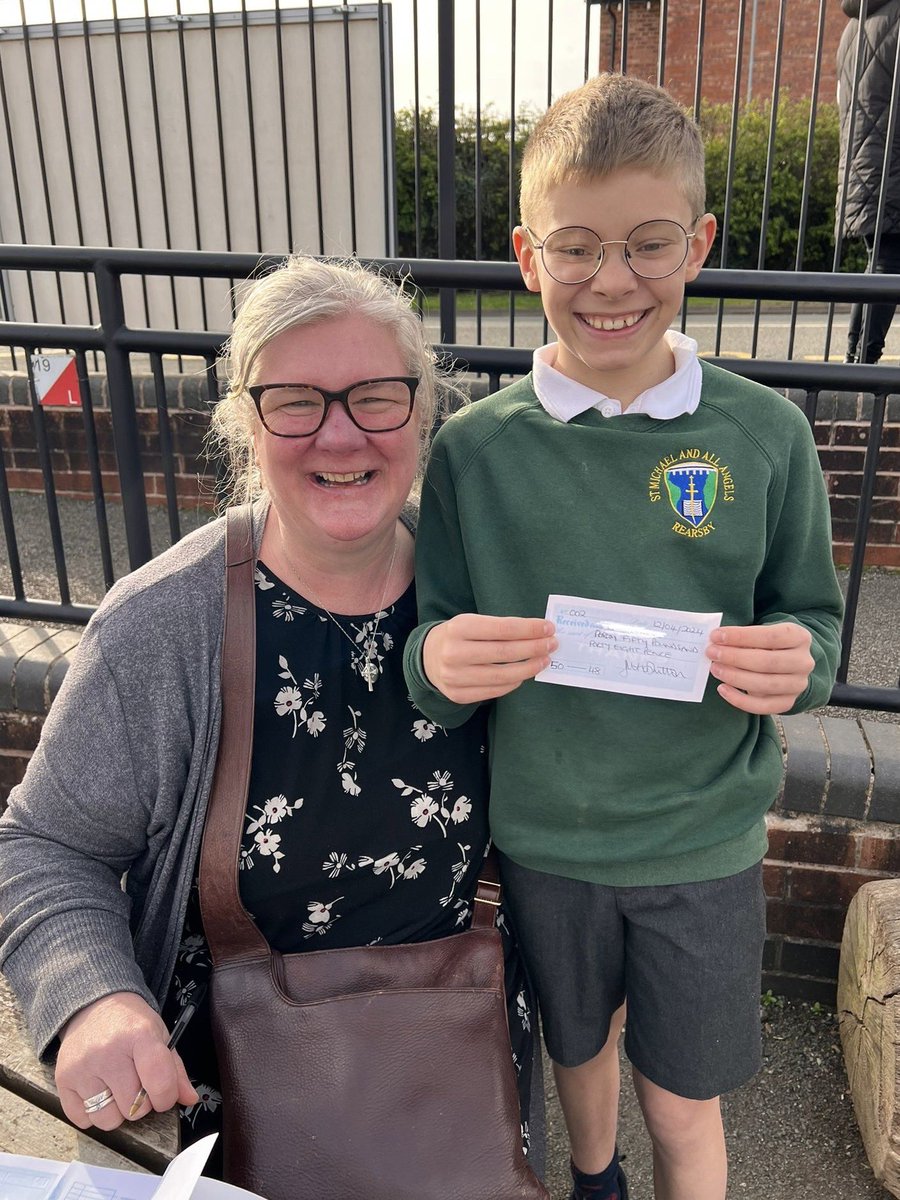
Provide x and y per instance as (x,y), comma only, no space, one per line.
(791,1132)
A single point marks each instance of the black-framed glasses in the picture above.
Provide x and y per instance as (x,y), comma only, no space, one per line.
(653,250)
(299,409)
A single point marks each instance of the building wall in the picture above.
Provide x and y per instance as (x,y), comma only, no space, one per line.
(722,21)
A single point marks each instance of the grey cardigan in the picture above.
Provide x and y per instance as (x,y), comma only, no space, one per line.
(119,783)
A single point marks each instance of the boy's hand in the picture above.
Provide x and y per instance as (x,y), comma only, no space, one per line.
(472,657)
(762,668)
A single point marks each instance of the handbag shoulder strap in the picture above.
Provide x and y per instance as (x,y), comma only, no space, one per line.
(487,893)
(229,929)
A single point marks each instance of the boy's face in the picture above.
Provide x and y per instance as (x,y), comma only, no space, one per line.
(620,362)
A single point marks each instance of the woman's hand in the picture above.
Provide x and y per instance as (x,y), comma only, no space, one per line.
(118,1044)
(471,657)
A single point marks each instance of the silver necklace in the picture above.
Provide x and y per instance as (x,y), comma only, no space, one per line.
(369,668)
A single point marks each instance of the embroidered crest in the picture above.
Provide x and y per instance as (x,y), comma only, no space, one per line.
(693,479)
(692,488)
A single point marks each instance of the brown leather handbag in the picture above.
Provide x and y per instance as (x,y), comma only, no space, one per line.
(379,1072)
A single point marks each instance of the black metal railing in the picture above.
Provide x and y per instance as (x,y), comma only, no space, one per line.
(230,162)
(117,342)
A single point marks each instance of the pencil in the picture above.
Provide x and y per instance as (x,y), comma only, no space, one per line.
(174,1037)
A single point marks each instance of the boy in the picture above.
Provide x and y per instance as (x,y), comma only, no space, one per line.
(625,469)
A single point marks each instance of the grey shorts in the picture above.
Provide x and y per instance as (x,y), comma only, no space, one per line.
(686,957)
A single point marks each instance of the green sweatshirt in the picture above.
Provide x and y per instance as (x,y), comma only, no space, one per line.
(597,785)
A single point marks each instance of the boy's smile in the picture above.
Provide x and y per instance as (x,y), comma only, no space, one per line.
(610,328)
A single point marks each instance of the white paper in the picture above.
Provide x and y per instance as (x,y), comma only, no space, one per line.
(23,1178)
(184,1170)
(629,648)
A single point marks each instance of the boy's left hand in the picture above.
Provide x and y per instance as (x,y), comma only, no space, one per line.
(762,668)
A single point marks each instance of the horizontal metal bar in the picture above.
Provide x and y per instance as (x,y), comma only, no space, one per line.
(822,286)
(46,610)
(852,695)
(33,337)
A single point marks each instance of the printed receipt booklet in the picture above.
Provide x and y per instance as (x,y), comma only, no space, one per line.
(23,1178)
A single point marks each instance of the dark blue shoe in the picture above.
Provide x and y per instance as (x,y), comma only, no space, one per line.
(579,1192)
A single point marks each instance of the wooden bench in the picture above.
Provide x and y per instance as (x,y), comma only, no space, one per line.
(32,1121)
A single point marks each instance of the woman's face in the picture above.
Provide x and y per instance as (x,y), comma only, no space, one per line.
(340,483)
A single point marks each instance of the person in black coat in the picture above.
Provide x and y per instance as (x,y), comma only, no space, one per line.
(864,136)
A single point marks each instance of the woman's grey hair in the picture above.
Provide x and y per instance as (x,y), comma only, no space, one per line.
(302,292)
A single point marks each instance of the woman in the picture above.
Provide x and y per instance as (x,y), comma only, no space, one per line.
(365,822)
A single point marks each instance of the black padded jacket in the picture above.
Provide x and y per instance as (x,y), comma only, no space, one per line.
(878,50)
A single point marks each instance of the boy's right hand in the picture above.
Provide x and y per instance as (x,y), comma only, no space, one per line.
(472,657)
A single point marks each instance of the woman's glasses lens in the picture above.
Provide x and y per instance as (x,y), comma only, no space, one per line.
(297,411)
(654,250)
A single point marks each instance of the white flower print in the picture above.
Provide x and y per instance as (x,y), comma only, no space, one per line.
(423,809)
(335,863)
(267,843)
(526,1137)
(463,911)
(209,1100)
(274,810)
(395,866)
(523,1012)
(461,810)
(354,739)
(424,730)
(261,581)
(458,871)
(415,869)
(316,723)
(288,700)
(283,608)
(320,918)
(387,641)
(349,784)
(185,995)
(193,947)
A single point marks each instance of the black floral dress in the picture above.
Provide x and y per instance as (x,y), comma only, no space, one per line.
(366,822)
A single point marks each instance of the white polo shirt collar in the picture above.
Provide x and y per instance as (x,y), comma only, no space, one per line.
(565,398)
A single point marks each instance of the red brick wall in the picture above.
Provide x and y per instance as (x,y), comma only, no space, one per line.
(813,869)
(842,449)
(68,448)
(798,54)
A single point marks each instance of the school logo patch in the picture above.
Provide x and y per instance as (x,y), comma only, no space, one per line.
(692,480)
(692,488)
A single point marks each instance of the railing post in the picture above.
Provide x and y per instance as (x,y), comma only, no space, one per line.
(124,416)
(447,159)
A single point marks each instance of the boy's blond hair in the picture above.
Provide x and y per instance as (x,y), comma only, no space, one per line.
(613,121)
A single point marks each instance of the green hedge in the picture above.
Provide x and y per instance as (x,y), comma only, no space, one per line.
(745,213)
